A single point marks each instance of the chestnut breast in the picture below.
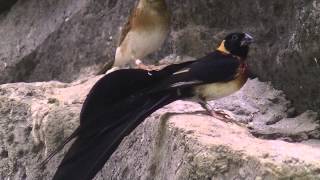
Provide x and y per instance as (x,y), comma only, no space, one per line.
(218,90)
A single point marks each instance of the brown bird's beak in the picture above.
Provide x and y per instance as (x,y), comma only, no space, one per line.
(247,40)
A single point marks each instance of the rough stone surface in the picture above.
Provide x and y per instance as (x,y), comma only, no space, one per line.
(177,142)
(66,40)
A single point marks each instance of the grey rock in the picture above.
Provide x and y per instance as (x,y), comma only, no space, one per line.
(177,142)
(62,41)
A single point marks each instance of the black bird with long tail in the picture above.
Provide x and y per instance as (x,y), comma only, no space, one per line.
(121,100)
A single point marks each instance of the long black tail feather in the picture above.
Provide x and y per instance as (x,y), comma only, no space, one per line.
(88,155)
(59,148)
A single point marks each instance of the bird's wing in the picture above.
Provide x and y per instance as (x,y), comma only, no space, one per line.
(127,26)
(87,155)
(112,88)
(209,69)
(120,84)
(109,92)
(173,68)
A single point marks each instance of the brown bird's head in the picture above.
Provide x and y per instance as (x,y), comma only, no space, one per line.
(236,44)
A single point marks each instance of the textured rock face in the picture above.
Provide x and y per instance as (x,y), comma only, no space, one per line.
(66,40)
(60,40)
(26,112)
(177,142)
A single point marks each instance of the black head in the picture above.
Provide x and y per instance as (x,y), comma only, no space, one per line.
(238,44)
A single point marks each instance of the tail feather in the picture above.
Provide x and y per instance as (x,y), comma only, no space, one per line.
(88,155)
(59,148)
(111,89)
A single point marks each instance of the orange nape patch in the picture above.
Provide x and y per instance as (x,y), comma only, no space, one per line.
(222,48)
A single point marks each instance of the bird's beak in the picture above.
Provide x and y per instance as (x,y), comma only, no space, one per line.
(247,40)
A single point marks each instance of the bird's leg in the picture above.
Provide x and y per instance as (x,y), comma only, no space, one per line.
(207,107)
(218,114)
(140,65)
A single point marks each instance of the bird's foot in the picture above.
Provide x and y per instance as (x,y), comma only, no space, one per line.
(140,65)
(220,114)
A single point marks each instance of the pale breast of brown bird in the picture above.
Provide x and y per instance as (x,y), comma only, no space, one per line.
(149,29)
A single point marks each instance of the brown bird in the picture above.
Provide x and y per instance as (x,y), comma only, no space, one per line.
(145,31)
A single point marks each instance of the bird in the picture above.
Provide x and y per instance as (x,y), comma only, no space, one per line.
(121,100)
(144,32)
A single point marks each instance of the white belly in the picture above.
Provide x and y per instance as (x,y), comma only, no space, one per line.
(137,45)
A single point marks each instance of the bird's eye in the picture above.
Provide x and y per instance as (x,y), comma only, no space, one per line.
(234,37)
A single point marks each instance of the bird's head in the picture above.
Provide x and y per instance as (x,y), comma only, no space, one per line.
(236,44)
